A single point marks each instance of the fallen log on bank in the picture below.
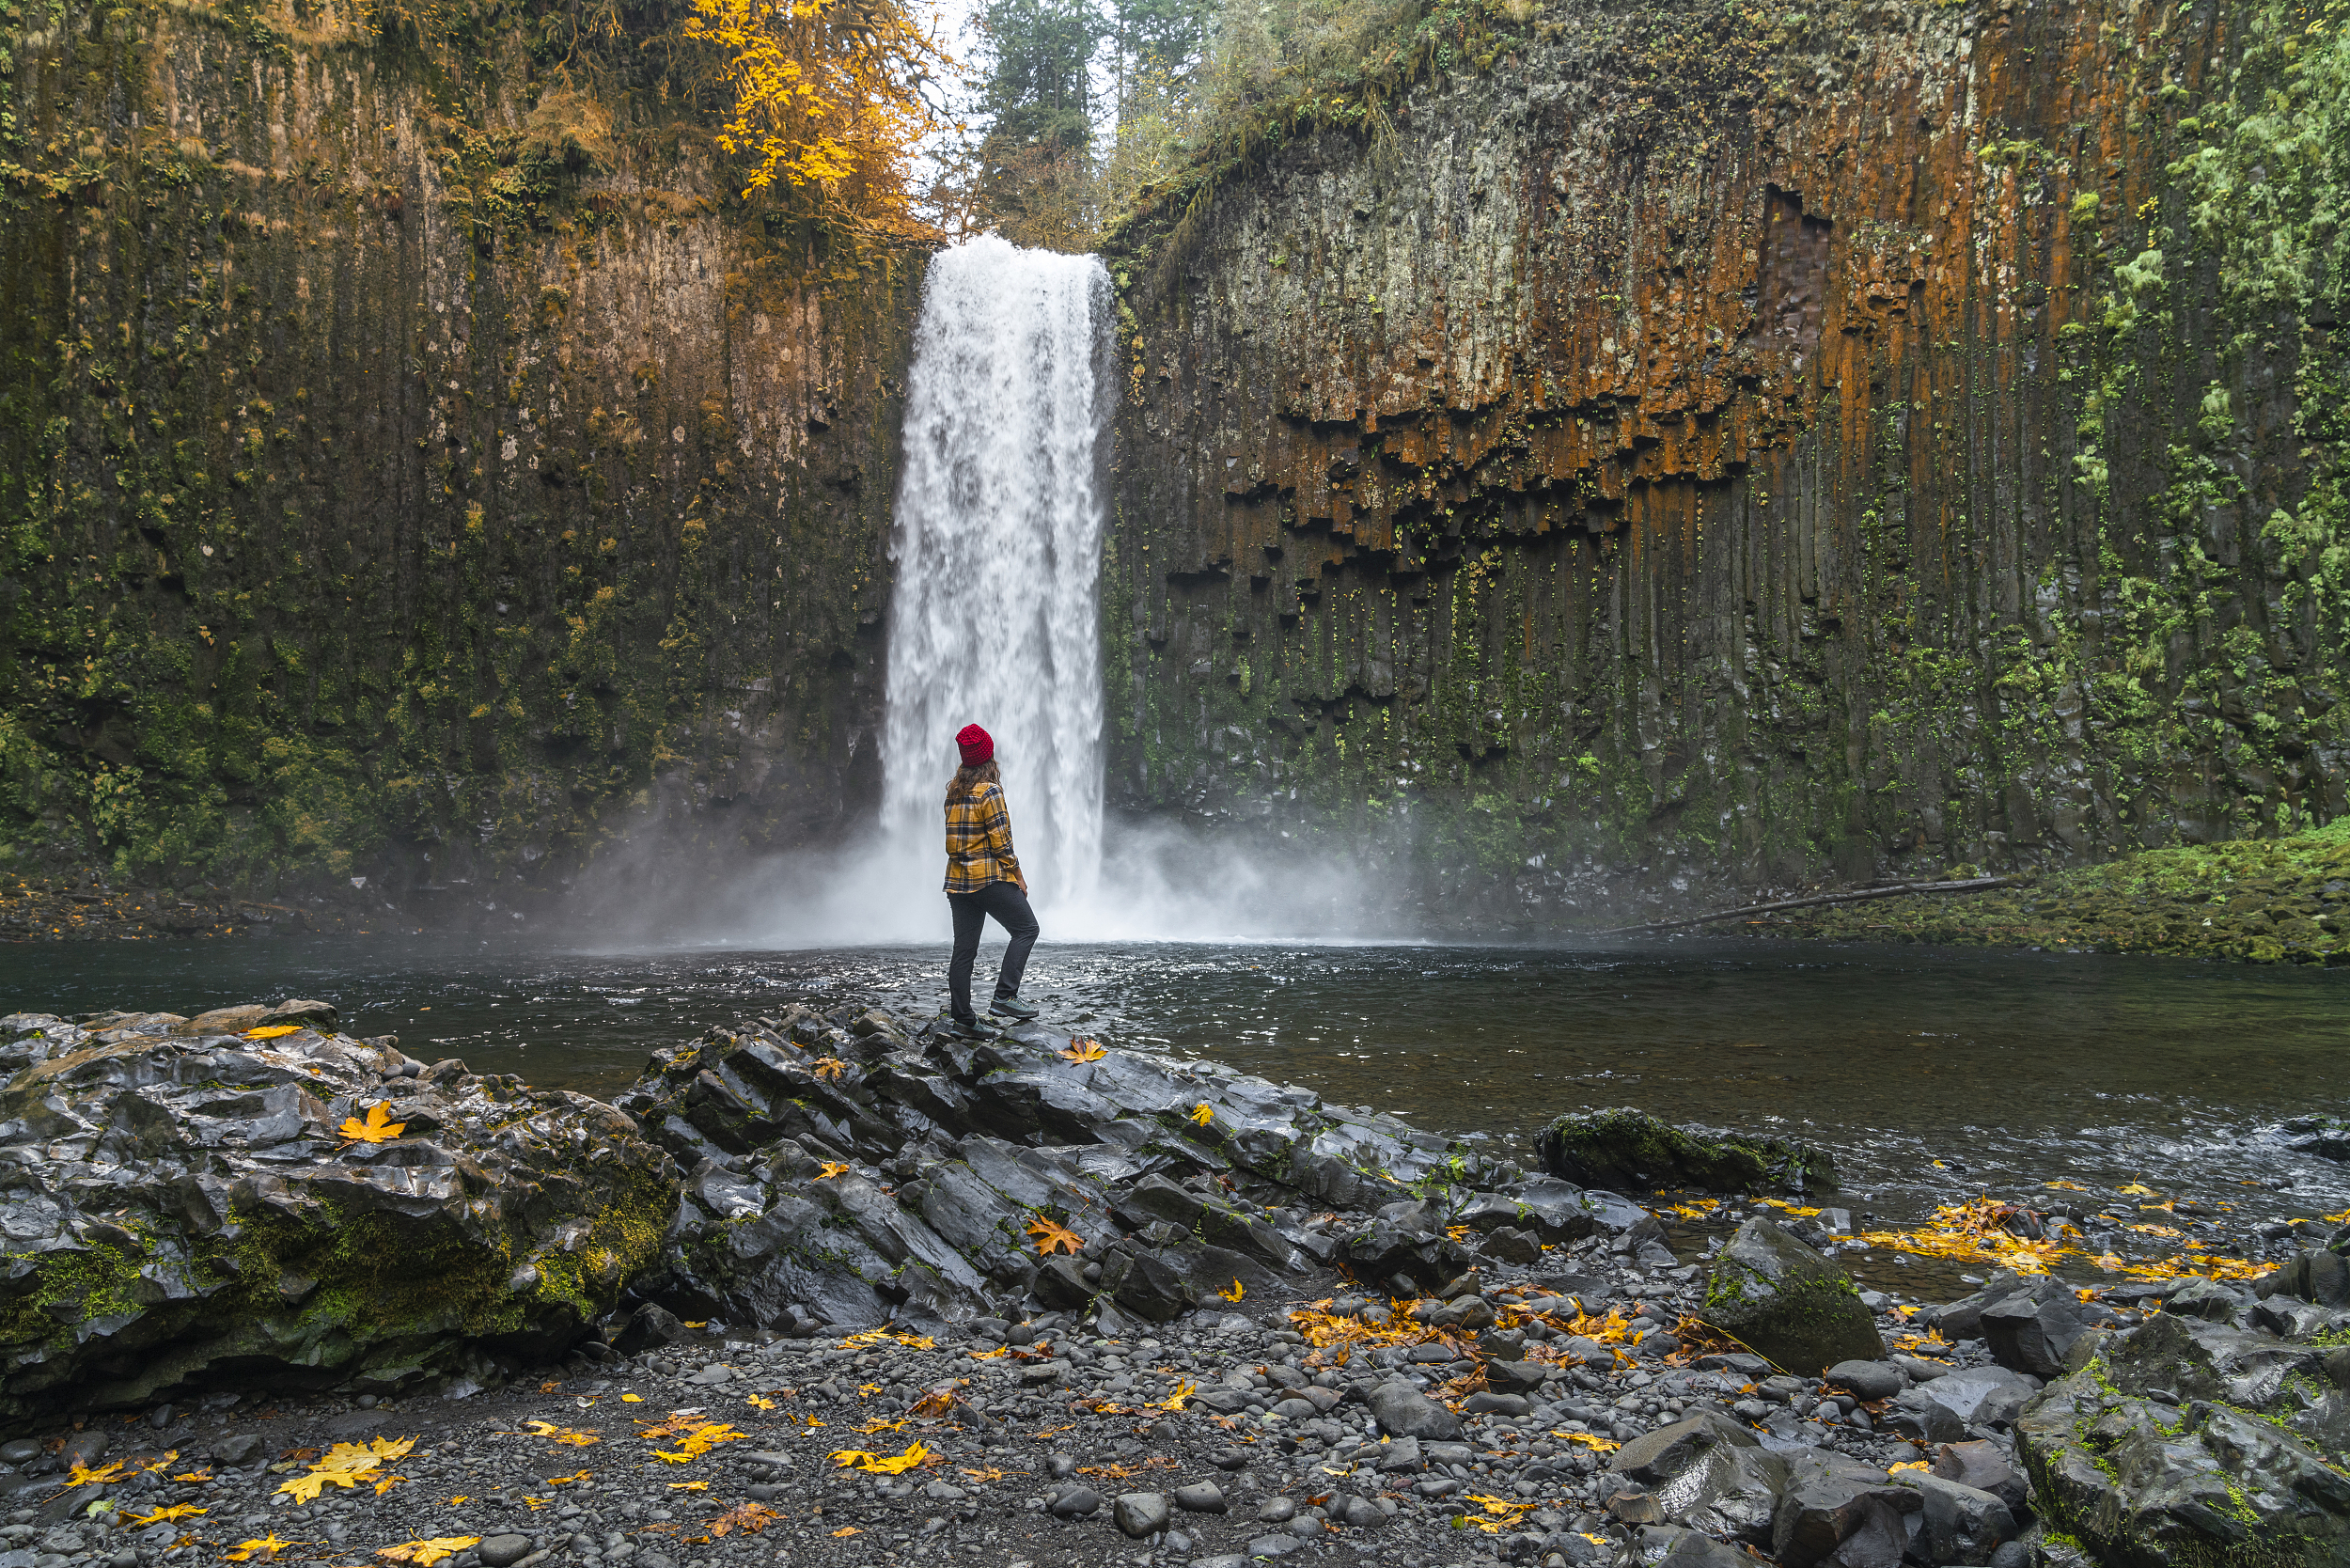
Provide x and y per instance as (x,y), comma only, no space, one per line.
(1897,889)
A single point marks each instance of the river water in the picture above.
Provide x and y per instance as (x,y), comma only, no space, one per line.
(2009,1069)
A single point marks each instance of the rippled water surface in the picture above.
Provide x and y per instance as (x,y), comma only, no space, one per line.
(2009,1069)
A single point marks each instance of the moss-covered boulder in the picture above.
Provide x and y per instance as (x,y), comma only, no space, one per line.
(1627,1150)
(1786,1303)
(290,1207)
(2185,1444)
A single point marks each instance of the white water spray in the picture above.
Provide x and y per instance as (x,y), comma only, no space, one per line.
(997,539)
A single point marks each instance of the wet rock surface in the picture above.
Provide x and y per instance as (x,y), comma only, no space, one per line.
(1787,1303)
(1027,1301)
(2186,1440)
(1630,1150)
(186,1211)
(849,1175)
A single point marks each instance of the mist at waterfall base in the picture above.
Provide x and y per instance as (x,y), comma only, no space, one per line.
(996,620)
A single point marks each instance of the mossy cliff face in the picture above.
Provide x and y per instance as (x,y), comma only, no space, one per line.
(1734,442)
(415,468)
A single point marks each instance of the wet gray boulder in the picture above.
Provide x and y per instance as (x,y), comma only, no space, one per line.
(2033,1329)
(870,1172)
(1958,1524)
(1952,1408)
(2180,1441)
(2326,1135)
(1843,1511)
(1986,1468)
(1404,1411)
(1707,1473)
(2321,1276)
(1868,1380)
(1787,1303)
(1624,1148)
(184,1214)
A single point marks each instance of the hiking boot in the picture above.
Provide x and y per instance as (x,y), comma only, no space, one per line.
(965,1028)
(1012,1008)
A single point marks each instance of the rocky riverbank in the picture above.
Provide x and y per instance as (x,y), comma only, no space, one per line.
(2261,901)
(827,1288)
(87,907)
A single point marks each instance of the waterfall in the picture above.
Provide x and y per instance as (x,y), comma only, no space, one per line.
(997,540)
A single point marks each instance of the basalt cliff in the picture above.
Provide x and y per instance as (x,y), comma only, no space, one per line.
(418,467)
(1593,448)
(1735,443)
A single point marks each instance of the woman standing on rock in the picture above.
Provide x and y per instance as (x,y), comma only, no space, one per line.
(983,878)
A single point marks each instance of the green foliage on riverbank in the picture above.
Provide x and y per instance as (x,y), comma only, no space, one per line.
(2264,901)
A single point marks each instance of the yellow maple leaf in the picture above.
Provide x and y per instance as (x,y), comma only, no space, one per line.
(194,1478)
(345,1464)
(426,1552)
(267,1545)
(385,1484)
(1906,1465)
(878,1424)
(567,1438)
(2137,1190)
(107,1476)
(178,1511)
(700,1437)
(1084,1050)
(1237,1290)
(881,1465)
(378,1128)
(631,1399)
(1178,1398)
(830,1170)
(1052,1236)
(761,1401)
(828,1067)
(689,1486)
(458,1498)
(566,1480)
(1203,1113)
(272,1031)
(846,1529)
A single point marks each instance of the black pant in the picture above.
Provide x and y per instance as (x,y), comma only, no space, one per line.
(1009,907)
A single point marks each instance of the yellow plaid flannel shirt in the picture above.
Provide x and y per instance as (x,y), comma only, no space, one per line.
(978,841)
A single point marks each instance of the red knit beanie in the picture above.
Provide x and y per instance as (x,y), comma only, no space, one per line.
(978,745)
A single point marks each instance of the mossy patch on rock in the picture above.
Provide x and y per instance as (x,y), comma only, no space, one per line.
(2192,1445)
(2259,901)
(1786,1303)
(1625,1151)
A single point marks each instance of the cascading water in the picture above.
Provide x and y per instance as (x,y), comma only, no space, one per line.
(995,619)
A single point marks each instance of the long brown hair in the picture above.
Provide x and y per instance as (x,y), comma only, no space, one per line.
(968,780)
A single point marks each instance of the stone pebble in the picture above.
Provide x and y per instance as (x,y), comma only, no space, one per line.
(1026,1473)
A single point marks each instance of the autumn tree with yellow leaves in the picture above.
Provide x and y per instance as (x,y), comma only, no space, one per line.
(829,101)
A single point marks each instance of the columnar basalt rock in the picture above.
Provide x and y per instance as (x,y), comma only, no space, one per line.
(419,470)
(1723,444)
